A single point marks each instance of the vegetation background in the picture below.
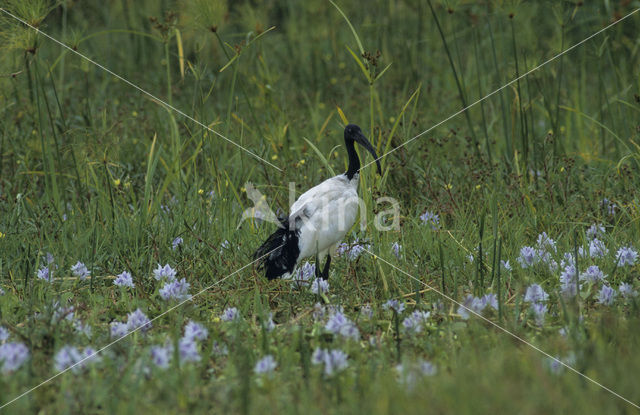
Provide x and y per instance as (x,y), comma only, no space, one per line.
(93,170)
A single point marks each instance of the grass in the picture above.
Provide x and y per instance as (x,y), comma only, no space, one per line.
(92,170)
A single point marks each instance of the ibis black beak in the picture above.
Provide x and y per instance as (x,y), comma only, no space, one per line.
(362,140)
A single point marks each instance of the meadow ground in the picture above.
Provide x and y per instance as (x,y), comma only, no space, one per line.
(518,229)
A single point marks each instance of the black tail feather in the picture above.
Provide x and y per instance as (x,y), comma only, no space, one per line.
(279,253)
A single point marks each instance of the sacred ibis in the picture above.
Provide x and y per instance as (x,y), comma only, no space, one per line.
(319,219)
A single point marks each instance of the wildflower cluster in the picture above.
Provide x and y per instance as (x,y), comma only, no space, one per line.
(477,304)
(188,347)
(333,361)
(135,319)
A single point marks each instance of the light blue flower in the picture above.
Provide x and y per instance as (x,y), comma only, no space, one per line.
(539,311)
(528,257)
(12,356)
(230,314)
(176,242)
(266,365)
(431,219)
(165,272)
(568,281)
(626,256)
(545,243)
(303,275)
(175,290)
(334,361)
(320,286)
(627,291)
(137,319)
(396,248)
(74,358)
(607,295)
(119,329)
(595,230)
(195,331)
(470,303)
(4,334)
(395,305)
(161,355)
(535,294)
(124,280)
(489,300)
(597,248)
(46,274)
(414,322)
(593,275)
(340,324)
(505,265)
(80,270)
(188,350)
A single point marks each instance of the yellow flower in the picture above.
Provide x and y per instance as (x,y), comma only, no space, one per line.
(134,113)
(449,186)
(302,161)
(116,182)
(478,186)
(274,157)
(2,235)
(200,191)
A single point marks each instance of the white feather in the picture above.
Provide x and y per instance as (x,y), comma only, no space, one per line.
(324,214)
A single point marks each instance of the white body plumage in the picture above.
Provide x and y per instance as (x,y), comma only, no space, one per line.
(328,210)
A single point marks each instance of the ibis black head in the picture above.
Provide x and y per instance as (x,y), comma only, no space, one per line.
(353,133)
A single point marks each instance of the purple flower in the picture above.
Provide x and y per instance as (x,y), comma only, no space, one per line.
(124,280)
(535,294)
(539,311)
(49,258)
(470,303)
(45,274)
(333,360)
(409,375)
(489,300)
(431,219)
(505,265)
(188,350)
(304,274)
(320,286)
(395,305)
(230,314)
(195,331)
(176,242)
(556,365)
(597,248)
(70,356)
(4,334)
(545,243)
(414,322)
(338,323)
(595,230)
(12,356)
(607,295)
(396,247)
(608,206)
(528,257)
(593,275)
(165,272)
(269,325)
(175,290)
(265,365)
(627,291)
(626,256)
(568,281)
(119,329)
(80,270)
(137,319)
(161,355)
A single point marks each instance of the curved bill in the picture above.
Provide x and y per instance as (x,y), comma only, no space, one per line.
(362,140)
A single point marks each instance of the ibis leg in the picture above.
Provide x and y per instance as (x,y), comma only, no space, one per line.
(325,271)
(317,267)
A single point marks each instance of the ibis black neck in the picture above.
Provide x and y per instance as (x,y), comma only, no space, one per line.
(354,160)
